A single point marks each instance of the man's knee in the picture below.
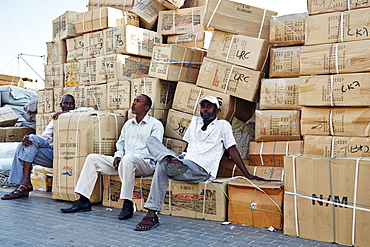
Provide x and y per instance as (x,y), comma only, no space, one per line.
(127,161)
(91,158)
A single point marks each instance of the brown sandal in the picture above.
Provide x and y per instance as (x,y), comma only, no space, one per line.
(21,191)
(151,222)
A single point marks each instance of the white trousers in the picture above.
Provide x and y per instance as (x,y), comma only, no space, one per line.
(129,167)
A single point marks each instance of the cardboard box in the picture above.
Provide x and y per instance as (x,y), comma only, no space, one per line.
(175,63)
(94,43)
(205,200)
(230,79)
(147,10)
(71,74)
(181,21)
(171,4)
(118,4)
(56,52)
(78,92)
(130,40)
(41,178)
(241,50)
(286,30)
(45,101)
(239,18)
(277,125)
(117,67)
(119,95)
(194,3)
(285,61)
(337,27)
(272,153)
(228,169)
(161,92)
(279,93)
(255,203)
(177,124)
(160,114)
(87,71)
(11,80)
(336,146)
(54,76)
(267,172)
(75,48)
(128,19)
(325,6)
(326,199)
(75,136)
(335,90)
(337,58)
(64,26)
(175,145)
(338,121)
(96,97)
(42,120)
(194,39)
(14,134)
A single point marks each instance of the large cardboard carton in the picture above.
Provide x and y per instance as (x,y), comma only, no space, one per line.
(54,76)
(116,67)
(286,30)
(11,80)
(228,169)
(175,63)
(71,74)
(279,93)
(129,39)
(94,43)
(128,19)
(335,90)
(45,101)
(78,92)
(56,51)
(64,26)
(171,4)
(147,10)
(272,153)
(42,120)
(325,6)
(161,92)
(238,18)
(96,97)
(177,124)
(194,39)
(76,135)
(285,61)
(256,204)
(160,114)
(182,21)
(336,146)
(346,57)
(75,48)
(14,134)
(175,145)
(194,3)
(338,121)
(230,79)
(267,172)
(238,49)
(326,199)
(205,200)
(118,4)
(119,95)
(277,125)
(87,71)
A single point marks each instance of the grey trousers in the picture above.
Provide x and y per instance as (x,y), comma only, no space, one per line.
(195,174)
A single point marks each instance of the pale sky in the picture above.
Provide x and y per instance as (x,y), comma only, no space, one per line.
(26,26)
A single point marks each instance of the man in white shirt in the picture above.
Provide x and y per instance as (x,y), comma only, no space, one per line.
(207,139)
(131,159)
(34,149)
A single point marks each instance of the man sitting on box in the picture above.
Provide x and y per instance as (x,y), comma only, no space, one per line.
(207,139)
(34,149)
(131,159)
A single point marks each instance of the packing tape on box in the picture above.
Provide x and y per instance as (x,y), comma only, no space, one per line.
(273,152)
(228,78)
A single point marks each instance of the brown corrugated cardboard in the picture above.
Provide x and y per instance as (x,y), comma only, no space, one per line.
(161,92)
(336,146)
(71,74)
(94,43)
(177,124)
(326,199)
(338,121)
(128,19)
(171,4)
(175,145)
(160,114)
(256,203)
(45,101)
(272,153)
(56,52)
(75,48)
(78,92)
(279,93)
(118,4)
(347,57)
(238,49)
(11,80)
(119,95)
(54,76)
(176,63)
(230,79)
(14,134)
(335,90)
(277,125)
(129,39)
(228,169)
(87,71)
(75,136)
(325,6)
(118,67)
(187,20)
(96,97)
(64,26)
(196,40)
(194,3)
(147,10)
(238,18)
(267,172)
(285,61)
(42,120)
(286,30)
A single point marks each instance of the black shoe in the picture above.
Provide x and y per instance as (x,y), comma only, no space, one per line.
(175,168)
(127,210)
(77,206)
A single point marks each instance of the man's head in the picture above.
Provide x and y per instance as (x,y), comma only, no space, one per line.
(209,107)
(141,104)
(68,103)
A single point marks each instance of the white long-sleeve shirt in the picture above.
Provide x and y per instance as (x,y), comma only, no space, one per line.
(48,133)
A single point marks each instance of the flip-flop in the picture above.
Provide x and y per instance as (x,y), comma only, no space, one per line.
(147,221)
(21,191)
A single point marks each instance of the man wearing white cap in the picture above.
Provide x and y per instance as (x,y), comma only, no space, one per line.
(207,139)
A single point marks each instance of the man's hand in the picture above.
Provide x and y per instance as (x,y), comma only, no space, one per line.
(252,177)
(26,142)
(56,115)
(116,162)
